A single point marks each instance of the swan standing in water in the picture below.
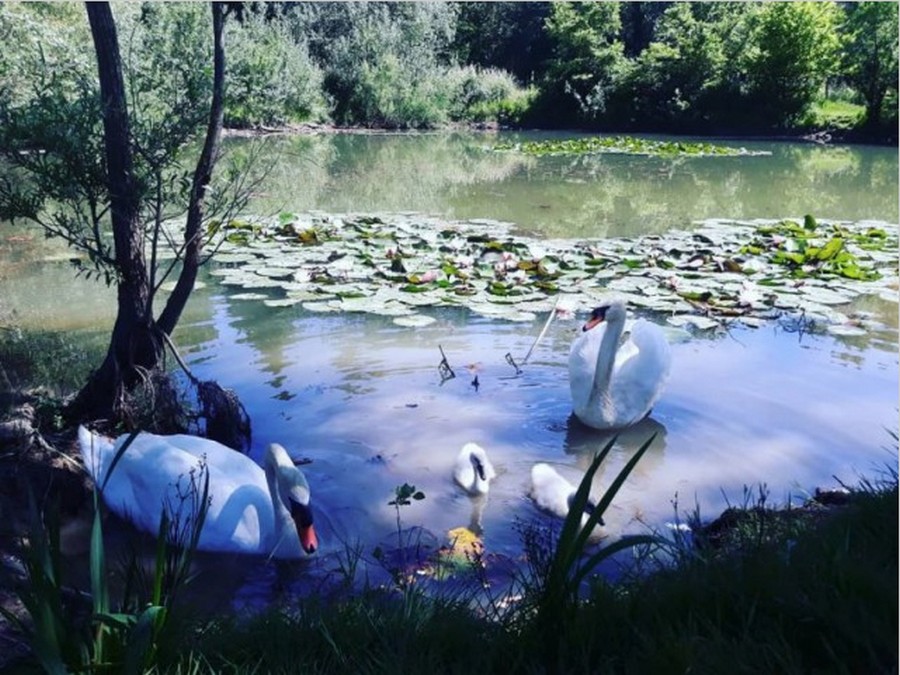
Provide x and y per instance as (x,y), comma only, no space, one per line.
(250,510)
(473,470)
(553,493)
(615,386)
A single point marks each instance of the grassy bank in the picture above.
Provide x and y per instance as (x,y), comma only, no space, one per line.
(819,599)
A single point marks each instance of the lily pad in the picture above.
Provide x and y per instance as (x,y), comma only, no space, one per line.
(699,322)
(846,330)
(249,296)
(674,273)
(414,320)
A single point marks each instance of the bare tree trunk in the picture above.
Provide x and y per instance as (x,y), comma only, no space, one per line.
(132,344)
(193,233)
(136,344)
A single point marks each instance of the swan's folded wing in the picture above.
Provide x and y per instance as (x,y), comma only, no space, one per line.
(640,380)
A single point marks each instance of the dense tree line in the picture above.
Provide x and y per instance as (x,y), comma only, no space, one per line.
(640,66)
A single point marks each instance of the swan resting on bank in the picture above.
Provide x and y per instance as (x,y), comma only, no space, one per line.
(554,494)
(251,509)
(616,386)
(473,470)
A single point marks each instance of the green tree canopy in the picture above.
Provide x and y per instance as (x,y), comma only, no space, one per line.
(587,61)
(870,57)
(793,49)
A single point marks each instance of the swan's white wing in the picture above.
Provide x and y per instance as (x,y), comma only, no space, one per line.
(583,364)
(146,478)
(639,380)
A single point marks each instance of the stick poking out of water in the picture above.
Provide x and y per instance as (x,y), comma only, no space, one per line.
(543,331)
(444,367)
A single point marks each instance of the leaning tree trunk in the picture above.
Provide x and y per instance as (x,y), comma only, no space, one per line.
(136,345)
(132,345)
(193,231)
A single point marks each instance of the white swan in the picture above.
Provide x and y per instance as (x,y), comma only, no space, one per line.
(250,510)
(473,470)
(615,386)
(553,493)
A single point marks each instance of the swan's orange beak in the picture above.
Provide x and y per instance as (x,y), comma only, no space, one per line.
(301,514)
(308,539)
(592,323)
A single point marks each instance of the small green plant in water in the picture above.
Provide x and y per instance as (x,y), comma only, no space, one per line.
(404,495)
(811,250)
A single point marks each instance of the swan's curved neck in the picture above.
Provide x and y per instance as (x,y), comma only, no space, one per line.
(606,358)
(279,510)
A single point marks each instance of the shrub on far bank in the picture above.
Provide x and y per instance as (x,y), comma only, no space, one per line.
(487,95)
(271,79)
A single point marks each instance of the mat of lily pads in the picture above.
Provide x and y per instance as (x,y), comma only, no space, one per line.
(717,272)
(624,145)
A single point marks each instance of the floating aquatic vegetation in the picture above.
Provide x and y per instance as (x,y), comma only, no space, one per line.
(627,145)
(720,271)
(809,249)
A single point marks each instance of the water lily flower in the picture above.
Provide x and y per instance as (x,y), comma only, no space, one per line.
(518,277)
(565,309)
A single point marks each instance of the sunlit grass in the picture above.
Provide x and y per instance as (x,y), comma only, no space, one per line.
(833,114)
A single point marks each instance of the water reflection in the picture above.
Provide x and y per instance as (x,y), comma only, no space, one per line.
(585,443)
(585,196)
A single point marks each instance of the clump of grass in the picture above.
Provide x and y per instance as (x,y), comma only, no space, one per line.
(51,363)
(816,594)
(73,632)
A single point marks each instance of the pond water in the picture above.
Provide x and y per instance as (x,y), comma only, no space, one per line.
(364,400)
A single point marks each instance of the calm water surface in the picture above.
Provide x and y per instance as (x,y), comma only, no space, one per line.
(363,399)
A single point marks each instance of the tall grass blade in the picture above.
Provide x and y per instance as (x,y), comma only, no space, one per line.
(568,548)
(115,460)
(54,646)
(99,586)
(561,582)
(611,492)
(141,645)
(623,544)
(162,547)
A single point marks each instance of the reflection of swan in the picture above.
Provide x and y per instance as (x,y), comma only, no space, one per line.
(473,470)
(585,443)
(250,511)
(553,493)
(478,504)
(615,386)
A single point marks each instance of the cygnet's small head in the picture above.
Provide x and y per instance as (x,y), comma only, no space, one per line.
(588,511)
(610,311)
